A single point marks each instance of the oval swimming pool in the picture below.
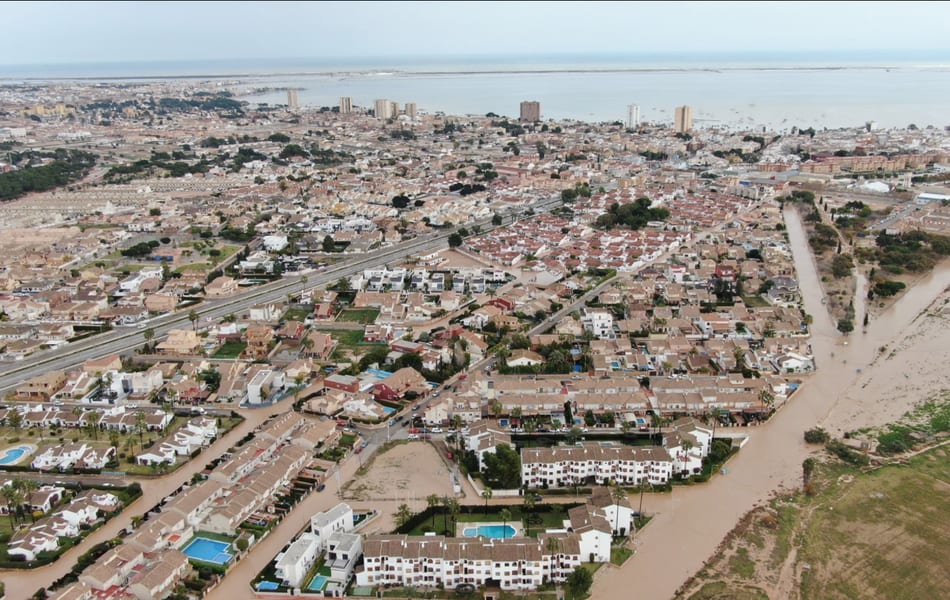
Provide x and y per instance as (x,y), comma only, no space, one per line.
(13,454)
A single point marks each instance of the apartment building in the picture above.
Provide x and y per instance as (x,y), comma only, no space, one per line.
(563,466)
(430,561)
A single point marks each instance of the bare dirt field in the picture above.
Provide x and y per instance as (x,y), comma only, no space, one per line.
(406,473)
(870,534)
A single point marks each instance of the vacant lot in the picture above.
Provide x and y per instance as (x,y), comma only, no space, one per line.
(408,472)
(877,534)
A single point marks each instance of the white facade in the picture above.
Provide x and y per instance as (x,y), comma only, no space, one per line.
(430,561)
(598,322)
(575,465)
(294,562)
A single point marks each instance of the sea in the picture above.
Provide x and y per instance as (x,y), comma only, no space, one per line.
(773,91)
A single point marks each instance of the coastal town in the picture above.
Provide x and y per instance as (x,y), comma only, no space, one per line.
(262,350)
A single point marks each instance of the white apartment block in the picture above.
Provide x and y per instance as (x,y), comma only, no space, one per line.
(564,466)
(430,561)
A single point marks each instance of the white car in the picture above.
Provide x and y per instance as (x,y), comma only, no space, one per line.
(413,436)
(435,430)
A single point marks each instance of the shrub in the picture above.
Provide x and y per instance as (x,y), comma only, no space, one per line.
(816,435)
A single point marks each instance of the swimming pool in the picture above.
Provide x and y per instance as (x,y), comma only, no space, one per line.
(317,583)
(267,586)
(211,551)
(13,454)
(490,531)
(389,410)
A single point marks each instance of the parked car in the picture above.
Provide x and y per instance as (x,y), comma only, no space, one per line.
(435,430)
(321,486)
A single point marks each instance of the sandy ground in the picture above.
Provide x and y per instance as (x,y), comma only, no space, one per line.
(408,473)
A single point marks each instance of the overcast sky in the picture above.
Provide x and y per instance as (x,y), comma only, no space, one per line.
(45,32)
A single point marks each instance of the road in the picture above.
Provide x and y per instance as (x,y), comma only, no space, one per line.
(125,339)
(22,584)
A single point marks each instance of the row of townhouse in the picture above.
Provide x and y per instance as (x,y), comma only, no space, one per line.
(127,573)
(194,434)
(117,418)
(432,561)
(44,535)
(73,456)
(562,466)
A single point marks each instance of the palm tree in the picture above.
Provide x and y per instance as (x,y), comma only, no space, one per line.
(553,546)
(148,334)
(26,487)
(529,505)
(445,512)
(193,317)
(619,494)
(454,508)
(140,426)
(14,498)
(114,438)
(487,494)
(505,517)
(432,500)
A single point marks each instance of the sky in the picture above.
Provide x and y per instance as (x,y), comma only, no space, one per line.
(80,32)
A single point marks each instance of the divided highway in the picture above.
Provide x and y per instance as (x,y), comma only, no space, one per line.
(125,339)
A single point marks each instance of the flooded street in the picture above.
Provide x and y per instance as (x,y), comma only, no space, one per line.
(690,522)
(22,584)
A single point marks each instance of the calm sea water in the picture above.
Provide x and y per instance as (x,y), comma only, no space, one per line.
(777,91)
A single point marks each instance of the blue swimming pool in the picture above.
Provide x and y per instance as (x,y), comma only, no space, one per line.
(211,551)
(490,531)
(389,410)
(267,586)
(317,583)
(13,454)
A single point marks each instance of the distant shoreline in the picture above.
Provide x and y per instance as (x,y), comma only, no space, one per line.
(472,72)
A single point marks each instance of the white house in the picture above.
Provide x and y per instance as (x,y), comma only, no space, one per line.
(294,562)
(338,518)
(275,243)
(598,322)
(263,384)
(591,526)
(342,551)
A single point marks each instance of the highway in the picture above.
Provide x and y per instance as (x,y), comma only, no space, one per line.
(126,339)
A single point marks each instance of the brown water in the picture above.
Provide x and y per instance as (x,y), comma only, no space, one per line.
(690,522)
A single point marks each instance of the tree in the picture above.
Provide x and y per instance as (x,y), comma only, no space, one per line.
(149,335)
(432,500)
(496,220)
(486,494)
(455,240)
(502,468)
(528,506)
(403,515)
(579,581)
(193,317)
(328,244)
(845,326)
(568,417)
(454,507)
(14,498)
(140,426)
(505,515)
(573,435)
(618,494)
(15,419)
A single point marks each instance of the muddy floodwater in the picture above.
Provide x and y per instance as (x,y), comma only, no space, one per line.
(690,522)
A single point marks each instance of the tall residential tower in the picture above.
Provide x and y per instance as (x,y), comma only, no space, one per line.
(683,119)
(633,115)
(530,110)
